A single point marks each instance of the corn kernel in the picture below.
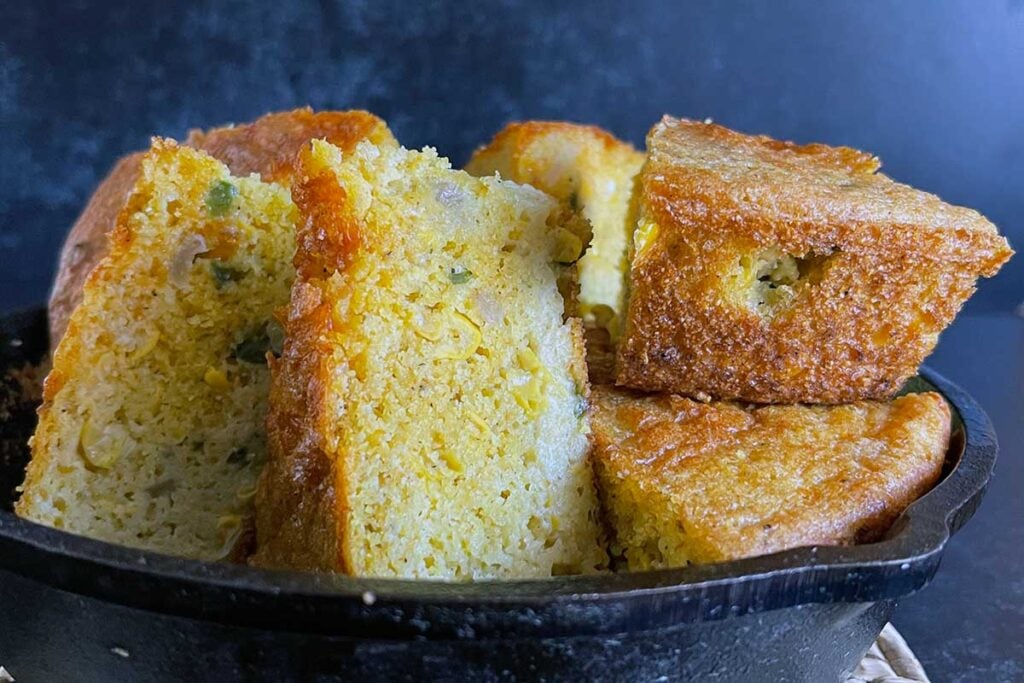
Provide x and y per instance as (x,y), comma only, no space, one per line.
(531,397)
(101,448)
(145,348)
(230,528)
(643,236)
(423,334)
(478,421)
(467,331)
(217,380)
(453,461)
(528,360)
(568,247)
(246,493)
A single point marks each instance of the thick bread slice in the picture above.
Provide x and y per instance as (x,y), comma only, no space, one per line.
(588,168)
(151,431)
(771,272)
(427,416)
(267,146)
(684,482)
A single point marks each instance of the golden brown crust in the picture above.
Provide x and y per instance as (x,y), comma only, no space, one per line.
(267,146)
(513,141)
(300,513)
(600,356)
(888,269)
(739,480)
(298,477)
(86,244)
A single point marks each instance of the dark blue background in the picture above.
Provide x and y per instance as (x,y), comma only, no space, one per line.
(935,89)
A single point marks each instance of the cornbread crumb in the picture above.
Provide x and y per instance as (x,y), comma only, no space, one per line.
(588,169)
(152,422)
(684,482)
(424,422)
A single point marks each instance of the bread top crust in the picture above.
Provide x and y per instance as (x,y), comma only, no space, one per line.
(745,480)
(707,177)
(266,146)
(511,148)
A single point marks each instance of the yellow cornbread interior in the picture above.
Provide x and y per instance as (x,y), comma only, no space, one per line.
(456,392)
(154,436)
(592,173)
(767,280)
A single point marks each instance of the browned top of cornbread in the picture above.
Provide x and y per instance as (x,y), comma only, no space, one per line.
(696,171)
(515,137)
(267,146)
(738,480)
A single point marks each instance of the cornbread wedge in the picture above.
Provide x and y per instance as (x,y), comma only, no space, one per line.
(770,272)
(427,417)
(151,431)
(267,146)
(589,169)
(684,482)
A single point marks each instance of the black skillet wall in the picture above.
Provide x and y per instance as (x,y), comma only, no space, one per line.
(936,89)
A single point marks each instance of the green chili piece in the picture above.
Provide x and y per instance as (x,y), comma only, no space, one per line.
(220,197)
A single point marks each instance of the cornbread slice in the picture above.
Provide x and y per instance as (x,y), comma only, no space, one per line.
(151,431)
(684,482)
(266,146)
(588,168)
(771,272)
(427,417)
(687,482)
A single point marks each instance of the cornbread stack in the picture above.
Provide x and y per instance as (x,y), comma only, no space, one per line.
(402,344)
(427,417)
(764,271)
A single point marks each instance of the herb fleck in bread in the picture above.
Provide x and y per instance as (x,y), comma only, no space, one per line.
(771,272)
(151,432)
(684,482)
(589,169)
(427,414)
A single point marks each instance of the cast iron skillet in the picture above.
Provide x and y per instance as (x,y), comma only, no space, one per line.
(830,601)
